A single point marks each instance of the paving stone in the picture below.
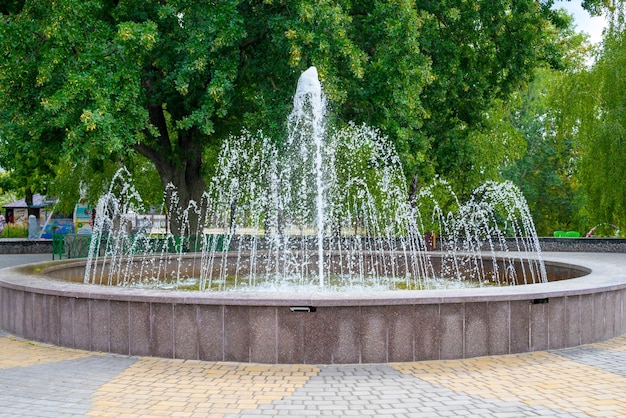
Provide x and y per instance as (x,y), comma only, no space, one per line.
(39,380)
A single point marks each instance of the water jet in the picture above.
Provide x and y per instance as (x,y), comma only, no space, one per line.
(330,206)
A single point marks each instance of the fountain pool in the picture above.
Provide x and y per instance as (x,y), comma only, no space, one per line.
(319,327)
(328,209)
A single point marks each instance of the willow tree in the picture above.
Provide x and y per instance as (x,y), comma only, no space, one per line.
(545,172)
(591,113)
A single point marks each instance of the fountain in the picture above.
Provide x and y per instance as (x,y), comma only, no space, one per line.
(312,253)
(329,211)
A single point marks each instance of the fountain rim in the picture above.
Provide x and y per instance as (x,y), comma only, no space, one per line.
(32,277)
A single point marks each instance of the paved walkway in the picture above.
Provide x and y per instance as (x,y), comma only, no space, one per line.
(39,380)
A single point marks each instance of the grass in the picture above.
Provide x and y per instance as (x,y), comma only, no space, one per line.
(14,231)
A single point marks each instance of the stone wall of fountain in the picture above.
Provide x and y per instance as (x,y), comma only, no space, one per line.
(365,327)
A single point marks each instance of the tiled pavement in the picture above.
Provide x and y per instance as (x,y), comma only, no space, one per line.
(39,380)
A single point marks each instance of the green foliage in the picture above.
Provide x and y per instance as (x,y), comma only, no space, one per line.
(93,78)
(546,173)
(480,52)
(435,205)
(14,231)
(592,113)
(603,133)
(83,180)
(241,190)
(8,186)
(369,194)
(94,81)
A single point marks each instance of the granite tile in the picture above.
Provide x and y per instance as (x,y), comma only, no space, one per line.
(499,328)
(427,332)
(186,332)
(476,330)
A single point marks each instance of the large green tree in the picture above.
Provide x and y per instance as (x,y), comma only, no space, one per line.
(481,53)
(169,79)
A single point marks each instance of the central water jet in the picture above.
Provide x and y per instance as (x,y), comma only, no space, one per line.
(309,106)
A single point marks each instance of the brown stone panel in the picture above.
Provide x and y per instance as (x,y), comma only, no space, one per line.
(452,332)
(120,327)
(599,316)
(427,332)
(557,325)
(263,334)
(621,308)
(291,335)
(100,325)
(617,313)
(587,319)
(520,326)
(8,314)
(476,329)
(211,332)
(609,316)
(401,322)
(373,328)
(321,335)
(186,332)
(539,336)
(162,332)
(17,306)
(80,324)
(139,328)
(7,305)
(499,328)
(573,321)
(28,330)
(39,317)
(237,333)
(348,342)
(66,311)
(52,320)
(4,308)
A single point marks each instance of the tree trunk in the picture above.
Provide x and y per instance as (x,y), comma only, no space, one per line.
(184,187)
(180,170)
(29,201)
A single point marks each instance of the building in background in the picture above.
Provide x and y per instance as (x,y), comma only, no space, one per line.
(17,212)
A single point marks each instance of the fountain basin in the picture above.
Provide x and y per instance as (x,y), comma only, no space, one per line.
(318,327)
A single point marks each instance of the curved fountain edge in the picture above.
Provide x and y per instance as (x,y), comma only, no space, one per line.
(355,328)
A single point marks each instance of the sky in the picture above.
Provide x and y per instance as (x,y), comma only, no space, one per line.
(584,22)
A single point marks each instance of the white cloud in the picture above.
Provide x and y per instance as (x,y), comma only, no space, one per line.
(592,25)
